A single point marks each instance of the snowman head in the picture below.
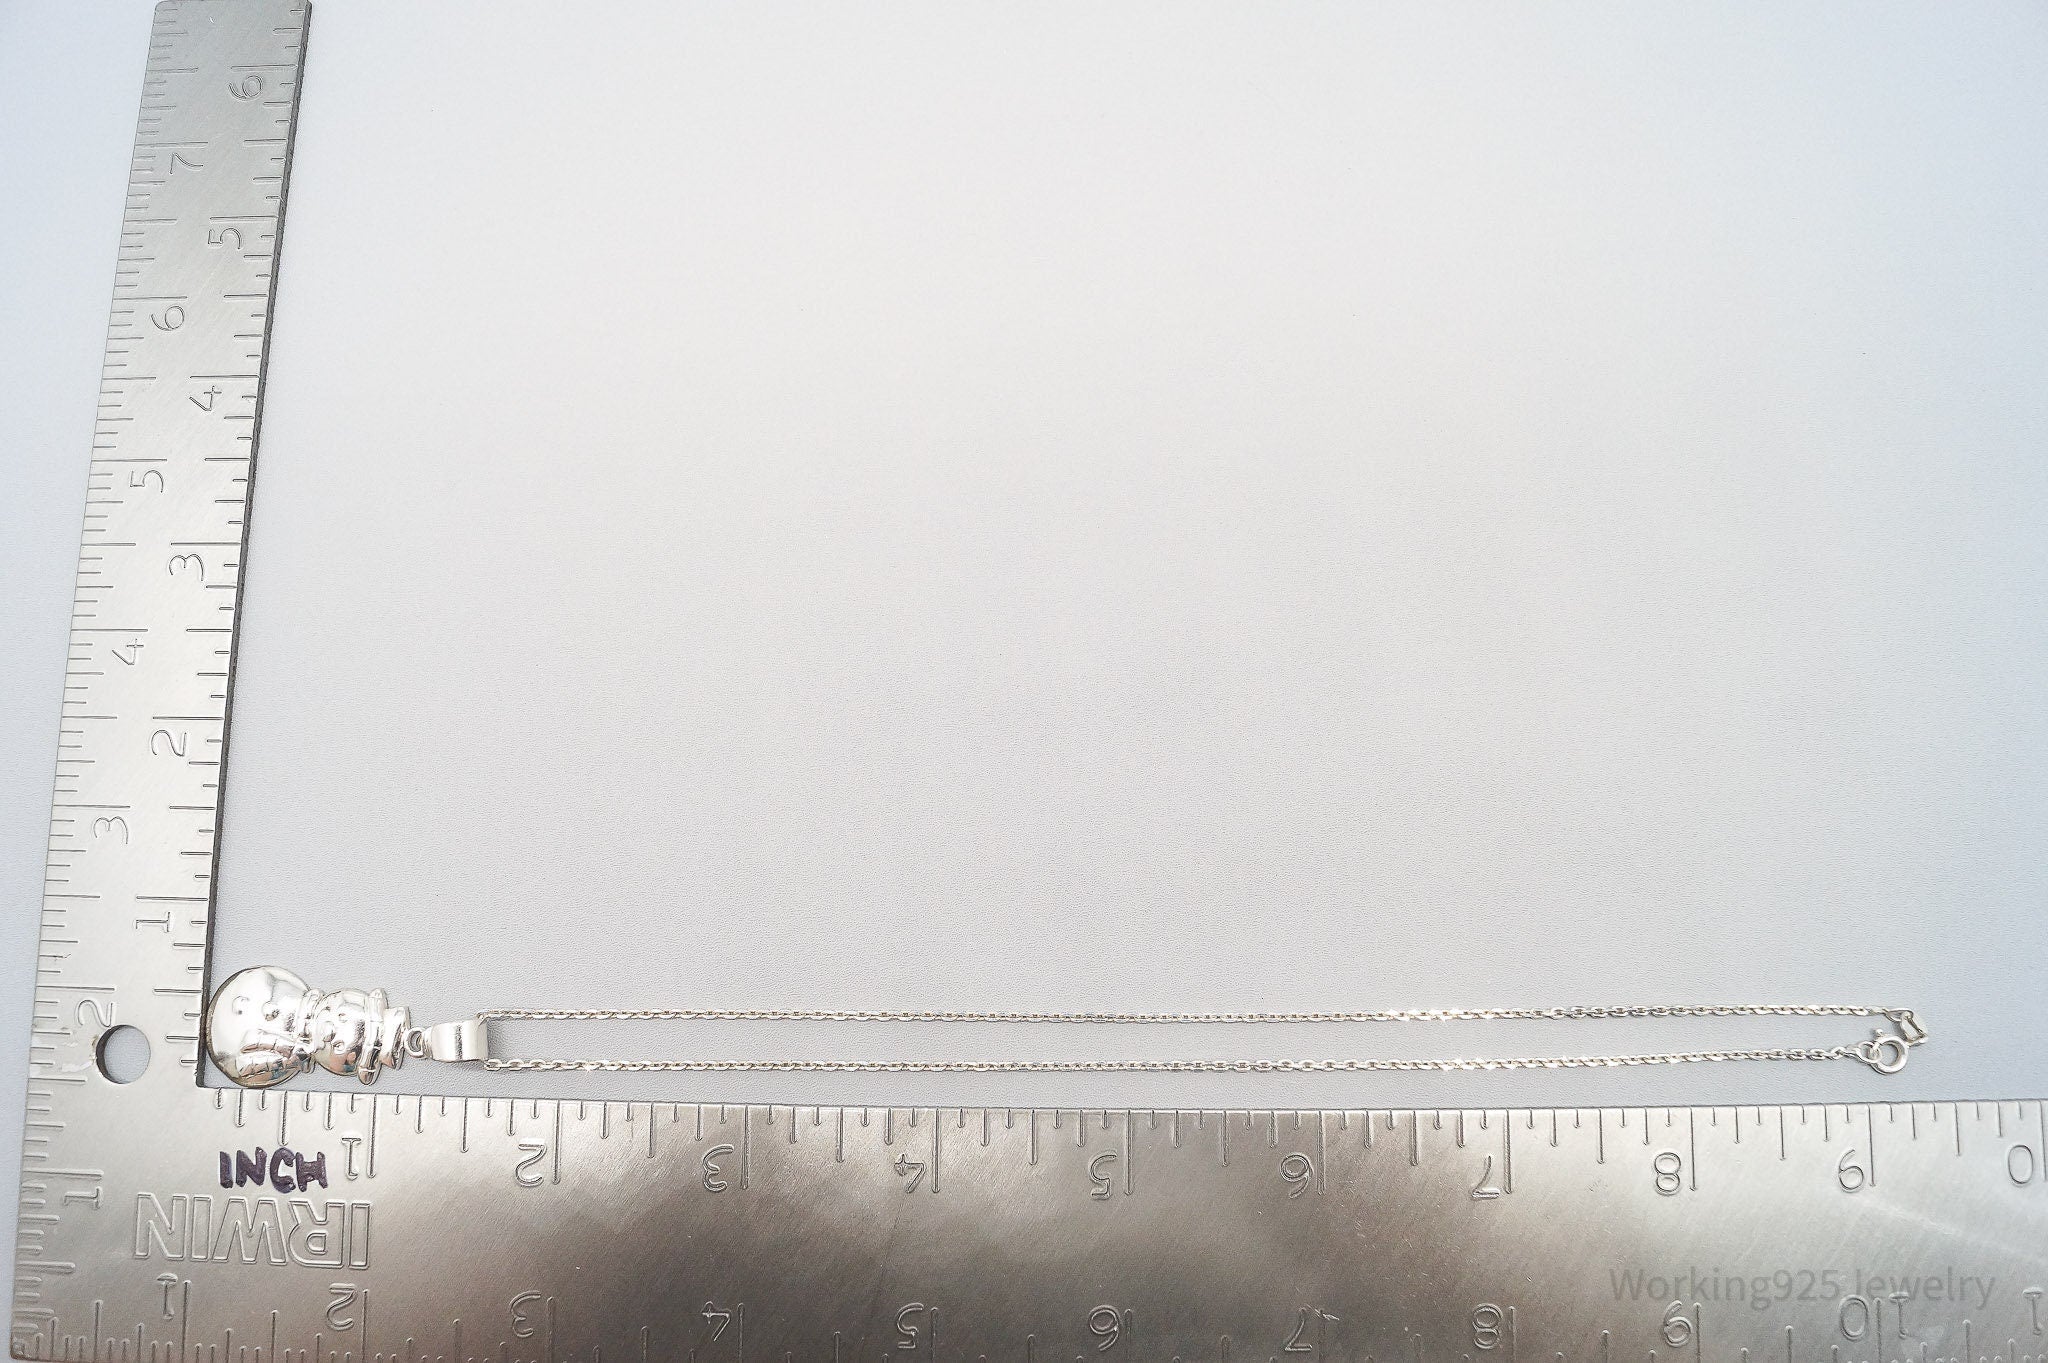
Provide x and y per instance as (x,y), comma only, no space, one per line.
(255,1030)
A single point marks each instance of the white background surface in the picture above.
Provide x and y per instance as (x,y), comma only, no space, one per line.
(1172,506)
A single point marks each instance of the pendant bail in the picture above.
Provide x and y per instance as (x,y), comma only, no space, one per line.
(469,1039)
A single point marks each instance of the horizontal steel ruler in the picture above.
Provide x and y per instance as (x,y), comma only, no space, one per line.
(164,1222)
(308,1227)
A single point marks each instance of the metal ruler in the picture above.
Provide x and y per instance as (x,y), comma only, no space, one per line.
(164,1222)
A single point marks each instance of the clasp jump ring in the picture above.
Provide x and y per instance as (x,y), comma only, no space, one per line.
(1885,1052)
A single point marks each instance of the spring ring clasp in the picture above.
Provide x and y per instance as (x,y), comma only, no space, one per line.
(1886,1052)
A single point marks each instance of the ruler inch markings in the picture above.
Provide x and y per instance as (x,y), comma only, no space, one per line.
(181,292)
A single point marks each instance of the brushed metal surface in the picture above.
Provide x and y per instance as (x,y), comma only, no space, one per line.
(133,841)
(166,1222)
(231,1226)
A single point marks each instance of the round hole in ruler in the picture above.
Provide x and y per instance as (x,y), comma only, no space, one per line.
(123,1054)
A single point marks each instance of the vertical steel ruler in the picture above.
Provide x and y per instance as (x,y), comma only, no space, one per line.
(165,1222)
(128,886)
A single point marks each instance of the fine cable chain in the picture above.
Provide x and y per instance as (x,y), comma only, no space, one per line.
(266,1025)
(1571,1062)
(1627,1010)
(1882,1052)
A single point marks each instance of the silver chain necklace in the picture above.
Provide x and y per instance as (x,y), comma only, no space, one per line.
(266,1025)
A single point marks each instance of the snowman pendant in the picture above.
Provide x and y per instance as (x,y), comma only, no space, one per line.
(266,1025)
